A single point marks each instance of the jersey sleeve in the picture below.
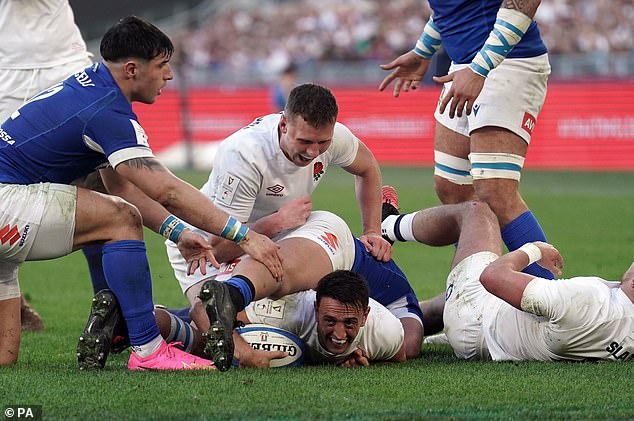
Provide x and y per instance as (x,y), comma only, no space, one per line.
(556,299)
(344,147)
(293,312)
(235,181)
(119,137)
(383,334)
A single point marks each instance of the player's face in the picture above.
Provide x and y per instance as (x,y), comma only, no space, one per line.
(151,77)
(301,142)
(337,324)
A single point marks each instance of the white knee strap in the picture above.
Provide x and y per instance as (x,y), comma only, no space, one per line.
(496,165)
(452,168)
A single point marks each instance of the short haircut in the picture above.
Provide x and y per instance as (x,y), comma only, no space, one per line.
(134,37)
(314,103)
(347,287)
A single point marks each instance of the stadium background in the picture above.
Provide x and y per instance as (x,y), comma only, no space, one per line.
(230,53)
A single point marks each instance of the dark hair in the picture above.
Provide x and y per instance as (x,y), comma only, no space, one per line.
(314,103)
(137,38)
(349,288)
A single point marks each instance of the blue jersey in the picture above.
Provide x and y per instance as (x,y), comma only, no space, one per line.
(69,130)
(386,281)
(464,27)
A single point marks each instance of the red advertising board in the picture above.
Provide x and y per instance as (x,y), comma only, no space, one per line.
(583,126)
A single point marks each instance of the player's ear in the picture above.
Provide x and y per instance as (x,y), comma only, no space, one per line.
(365,316)
(130,69)
(284,126)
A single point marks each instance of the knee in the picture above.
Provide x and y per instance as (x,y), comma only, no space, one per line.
(479,210)
(127,216)
(450,193)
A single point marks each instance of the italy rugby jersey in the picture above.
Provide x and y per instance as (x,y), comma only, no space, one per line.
(464,26)
(69,130)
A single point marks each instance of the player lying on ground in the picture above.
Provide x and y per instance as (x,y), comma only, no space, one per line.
(495,311)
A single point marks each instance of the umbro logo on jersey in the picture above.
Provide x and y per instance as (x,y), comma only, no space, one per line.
(275,190)
(10,234)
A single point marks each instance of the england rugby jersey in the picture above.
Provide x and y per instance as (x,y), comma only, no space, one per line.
(69,130)
(252,178)
(583,318)
(381,337)
(464,27)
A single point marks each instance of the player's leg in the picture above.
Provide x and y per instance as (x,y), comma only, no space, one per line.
(309,252)
(452,177)
(9,313)
(108,219)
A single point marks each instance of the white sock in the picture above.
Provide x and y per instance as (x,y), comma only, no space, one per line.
(180,332)
(399,227)
(149,348)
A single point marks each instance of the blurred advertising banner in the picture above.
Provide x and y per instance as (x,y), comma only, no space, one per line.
(582,126)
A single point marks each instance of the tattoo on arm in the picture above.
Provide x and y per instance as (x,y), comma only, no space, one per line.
(528,7)
(144,163)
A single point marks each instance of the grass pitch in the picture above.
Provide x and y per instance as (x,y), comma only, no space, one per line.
(588,216)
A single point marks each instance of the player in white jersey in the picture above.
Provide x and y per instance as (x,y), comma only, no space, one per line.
(493,310)
(41,45)
(337,321)
(264,174)
(488,107)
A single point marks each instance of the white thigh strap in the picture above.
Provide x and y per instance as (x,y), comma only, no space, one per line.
(496,165)
(452,168)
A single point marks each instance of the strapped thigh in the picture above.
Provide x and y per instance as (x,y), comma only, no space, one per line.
(452,168)
(496,165)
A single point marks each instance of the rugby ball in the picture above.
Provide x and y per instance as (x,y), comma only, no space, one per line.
(269,338)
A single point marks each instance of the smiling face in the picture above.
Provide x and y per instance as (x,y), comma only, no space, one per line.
(300,142)
(338,324)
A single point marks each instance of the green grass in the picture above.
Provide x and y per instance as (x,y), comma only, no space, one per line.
(588,216)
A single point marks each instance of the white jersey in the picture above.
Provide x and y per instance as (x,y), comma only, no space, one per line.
(252,178)
(568,319)
(381,337)
(38,34)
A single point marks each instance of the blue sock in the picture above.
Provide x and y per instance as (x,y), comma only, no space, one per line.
(246,289)
(93,257)
(522,230)
(126,268)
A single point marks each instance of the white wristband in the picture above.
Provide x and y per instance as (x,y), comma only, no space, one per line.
(533,252)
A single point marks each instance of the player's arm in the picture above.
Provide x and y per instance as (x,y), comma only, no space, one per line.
(504,277)
(186,202)
(409,68)
(291,215)
(367,174)
(512,22)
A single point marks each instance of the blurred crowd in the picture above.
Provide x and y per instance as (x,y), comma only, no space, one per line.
(268,35)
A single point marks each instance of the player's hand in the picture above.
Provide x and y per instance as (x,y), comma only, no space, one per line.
(197,251)
(261,359)
(377,246)
(464,90)
(551,258)
(408,70)
(356,359)
(265,251)
(295,213)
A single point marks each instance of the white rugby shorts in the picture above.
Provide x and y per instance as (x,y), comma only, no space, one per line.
(37,222)
(465,297)
(324,228)
(512,97)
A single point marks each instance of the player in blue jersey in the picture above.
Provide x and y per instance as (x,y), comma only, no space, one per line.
(64,133)
(488,107)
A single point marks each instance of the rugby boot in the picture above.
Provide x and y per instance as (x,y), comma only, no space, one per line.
(96,339)
(389,206)
(169,357)
(222,317)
